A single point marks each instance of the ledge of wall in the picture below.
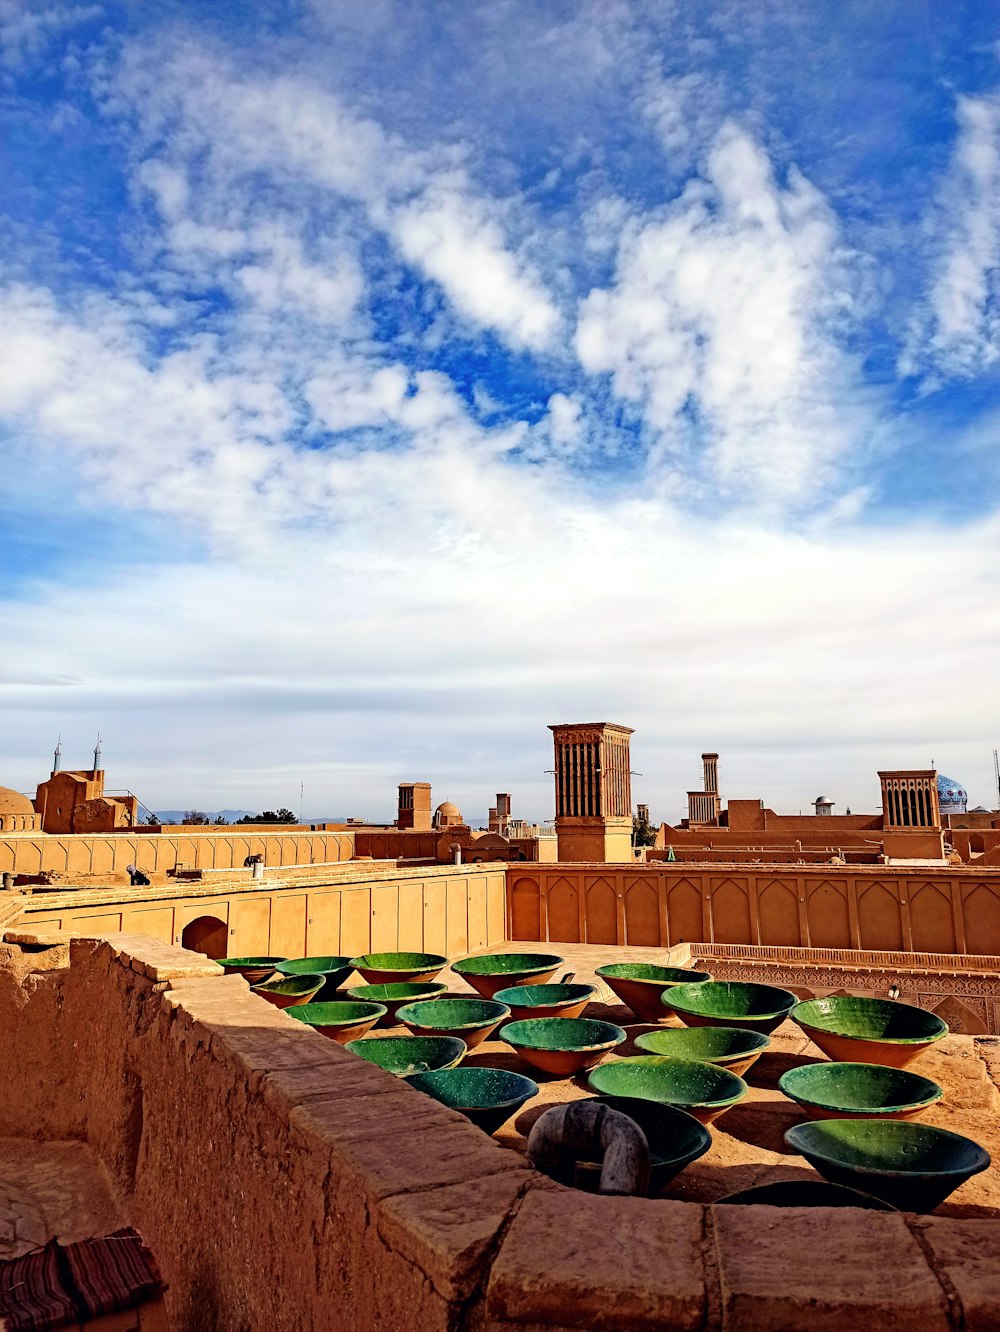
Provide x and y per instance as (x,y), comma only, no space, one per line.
(285,1184)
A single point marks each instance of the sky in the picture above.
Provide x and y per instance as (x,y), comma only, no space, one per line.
(381,383)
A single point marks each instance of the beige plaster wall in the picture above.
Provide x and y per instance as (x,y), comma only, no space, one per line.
(285,1185)
(955,910)
(446,909)
(157,852)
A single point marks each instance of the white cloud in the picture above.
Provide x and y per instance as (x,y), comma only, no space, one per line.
(27,28)
(723,318)
(957,330)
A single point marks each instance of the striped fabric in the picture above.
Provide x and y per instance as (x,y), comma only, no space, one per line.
(59,1286)
(33,1295)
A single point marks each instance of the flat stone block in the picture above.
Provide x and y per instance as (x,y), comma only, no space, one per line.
(448,1232)
(969,1254)
(158,961)
(825,1269)
(334,1075)
(580,1260)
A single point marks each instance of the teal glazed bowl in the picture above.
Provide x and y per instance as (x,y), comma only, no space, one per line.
(562,1046)
(869,1031)
(859,1091)
(340,1019)
(729,1047)
(912,1166)
(489,972)
(289,991)
(642,986)
(252,969)
(803,1193)
(731,1004)
(396,994)
(409,1054)
(385,968)
(471,1020)
(703,1090)
(487,1096)
(334,970)
(675,1138)
(539,1001)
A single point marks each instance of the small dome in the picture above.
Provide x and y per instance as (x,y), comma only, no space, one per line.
(447,810)
(952,797)
(13,802)
(823,800)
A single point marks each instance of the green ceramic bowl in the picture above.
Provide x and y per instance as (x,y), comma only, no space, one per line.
(869,1031)
(731,1004)
(803,1193)
(252,969)
(386,968)
(334,970)
(489,972)
(675,1138)
(487,1096)
(912,1166)
(730,1047)
(341,1019)
(642,985)
(471,1020)
(289,991)
(537,1001)
(562,1046)
(859,1091)
(409,1054)
(396,994)
(703,1090)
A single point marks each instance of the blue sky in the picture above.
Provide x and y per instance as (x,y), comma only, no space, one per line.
(380,383)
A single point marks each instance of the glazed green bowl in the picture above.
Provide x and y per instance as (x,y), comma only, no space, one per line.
(409,1054)
(289,991)
(487,1096)
(252,969)
(803,1193)
(489,972)
(396,994)
(731,1004)
(342,1020)
(385,968)
(641,986)
(561,1045)
(869,1031)
(703,1090)
(334,970)
(675,1138)
(730,1047)
(912,1166)
(859,1091)
(538,1001)
(471,1020)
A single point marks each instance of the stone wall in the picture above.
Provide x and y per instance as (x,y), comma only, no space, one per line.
(447,909)
(286,1185)
(156,852)
(954,910)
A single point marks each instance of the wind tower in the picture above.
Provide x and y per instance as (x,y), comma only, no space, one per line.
(593,791)
(704,806)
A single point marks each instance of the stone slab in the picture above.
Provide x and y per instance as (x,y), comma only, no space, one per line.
(968,1252)
(824,1269)
(579,1260)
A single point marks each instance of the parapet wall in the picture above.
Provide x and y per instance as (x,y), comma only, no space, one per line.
(883,908)
(285,1184)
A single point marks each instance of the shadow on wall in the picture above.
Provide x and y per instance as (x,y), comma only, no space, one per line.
(208,935)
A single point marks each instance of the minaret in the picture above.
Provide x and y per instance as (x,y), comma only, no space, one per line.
(57,757)
(97,755)
(593,792)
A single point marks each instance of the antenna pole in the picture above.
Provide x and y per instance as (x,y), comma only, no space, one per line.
(996,774)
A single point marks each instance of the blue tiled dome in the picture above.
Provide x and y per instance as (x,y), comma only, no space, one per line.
(952,798)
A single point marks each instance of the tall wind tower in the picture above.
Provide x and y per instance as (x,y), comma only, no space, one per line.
(593,791)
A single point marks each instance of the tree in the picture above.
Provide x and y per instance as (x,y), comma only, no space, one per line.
(270,816)
(195,816)
(152,819)
(643,832)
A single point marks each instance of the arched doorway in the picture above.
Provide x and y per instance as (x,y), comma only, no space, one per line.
(207,935)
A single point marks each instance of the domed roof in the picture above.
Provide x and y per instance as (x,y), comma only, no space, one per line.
(13,802)
(824,800)
(447,808)
(951,796)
